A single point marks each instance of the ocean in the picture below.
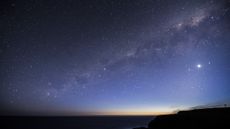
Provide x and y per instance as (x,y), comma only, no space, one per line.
(85,122)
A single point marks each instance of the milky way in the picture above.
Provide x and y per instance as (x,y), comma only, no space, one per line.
(113,57)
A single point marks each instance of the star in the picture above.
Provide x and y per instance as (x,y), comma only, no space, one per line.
(199,66)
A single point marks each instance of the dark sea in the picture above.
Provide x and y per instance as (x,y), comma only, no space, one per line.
(85,122)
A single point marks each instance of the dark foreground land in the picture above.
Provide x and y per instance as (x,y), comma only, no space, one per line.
(217,118)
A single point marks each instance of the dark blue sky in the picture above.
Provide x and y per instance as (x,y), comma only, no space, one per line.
(103,57)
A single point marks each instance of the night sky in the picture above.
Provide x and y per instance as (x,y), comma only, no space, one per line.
(113,57)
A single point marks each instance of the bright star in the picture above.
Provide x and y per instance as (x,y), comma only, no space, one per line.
(198,65)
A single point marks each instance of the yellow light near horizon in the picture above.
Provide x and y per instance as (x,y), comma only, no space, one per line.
(139,112)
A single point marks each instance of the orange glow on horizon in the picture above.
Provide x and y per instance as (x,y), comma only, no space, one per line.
(134,112)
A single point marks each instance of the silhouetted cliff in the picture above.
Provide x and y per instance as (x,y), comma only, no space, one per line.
(197,119)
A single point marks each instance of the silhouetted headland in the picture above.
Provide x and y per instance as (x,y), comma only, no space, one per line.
(218,118)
